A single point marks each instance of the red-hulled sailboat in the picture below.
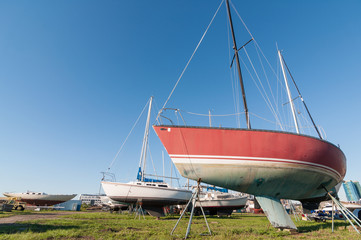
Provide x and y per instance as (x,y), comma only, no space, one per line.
(271,165)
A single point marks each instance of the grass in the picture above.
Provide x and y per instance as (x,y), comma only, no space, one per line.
(123,226)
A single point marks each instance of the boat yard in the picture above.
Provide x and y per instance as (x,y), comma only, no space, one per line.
(228,148)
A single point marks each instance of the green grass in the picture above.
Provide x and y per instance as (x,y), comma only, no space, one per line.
(123,226)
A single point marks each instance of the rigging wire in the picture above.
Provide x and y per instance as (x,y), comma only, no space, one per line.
(121,147)
(268,82)
(151,158)
(155,112)
(207,115)
(256,43)
(249,72)
(266,98)
(190,59)
(260,50)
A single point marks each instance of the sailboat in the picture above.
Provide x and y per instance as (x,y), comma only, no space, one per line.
(219,201)
(151,194)
(40,198)
(271,165)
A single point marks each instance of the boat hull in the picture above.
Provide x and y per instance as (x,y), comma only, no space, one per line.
(146,195)
(259,162)
(234,203)
(221,207)
(41,200)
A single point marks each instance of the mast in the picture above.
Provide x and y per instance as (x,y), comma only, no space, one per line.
(289,93)
(304,103)
(238,66)
(145,139)
(210,119)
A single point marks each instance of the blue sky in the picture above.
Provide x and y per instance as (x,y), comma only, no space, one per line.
(74,76)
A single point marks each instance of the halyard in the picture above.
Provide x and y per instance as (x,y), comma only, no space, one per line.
(103,225)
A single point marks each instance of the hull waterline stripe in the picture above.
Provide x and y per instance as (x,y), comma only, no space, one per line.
(233,159)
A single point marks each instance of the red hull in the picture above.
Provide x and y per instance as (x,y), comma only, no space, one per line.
(41,202)
(266,153)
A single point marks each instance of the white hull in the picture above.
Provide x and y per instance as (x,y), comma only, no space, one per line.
(146,194)
(42,199)
(236,203)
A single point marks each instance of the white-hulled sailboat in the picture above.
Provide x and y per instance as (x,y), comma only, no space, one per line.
(151,194)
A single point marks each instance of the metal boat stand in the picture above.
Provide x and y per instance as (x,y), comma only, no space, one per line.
(139,210)
(293,211)
(347,213)
(194,199)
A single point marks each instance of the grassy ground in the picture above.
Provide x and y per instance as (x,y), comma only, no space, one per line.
(123,226)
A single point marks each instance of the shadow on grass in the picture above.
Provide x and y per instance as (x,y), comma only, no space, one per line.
(326,225)
(233,216)
(38,228)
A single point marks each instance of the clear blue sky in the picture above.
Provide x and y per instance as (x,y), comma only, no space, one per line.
(74,76)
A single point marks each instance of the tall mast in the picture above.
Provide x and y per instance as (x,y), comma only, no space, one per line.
(238,66)
(145,139)
(289,93)
(304,103)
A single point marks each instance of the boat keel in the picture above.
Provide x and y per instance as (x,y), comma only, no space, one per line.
(275,212)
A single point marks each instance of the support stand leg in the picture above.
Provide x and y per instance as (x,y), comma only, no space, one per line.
(333,214)
(194,199)
(139,211)
(346,213)
(205,219)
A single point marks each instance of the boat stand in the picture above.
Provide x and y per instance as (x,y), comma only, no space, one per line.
(347,213)
(139,210)
(194,199)
(293,211)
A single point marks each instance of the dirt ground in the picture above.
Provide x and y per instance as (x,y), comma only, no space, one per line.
(27,217)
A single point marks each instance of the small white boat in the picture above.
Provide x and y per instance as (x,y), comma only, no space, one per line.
(40,198)
(112,205)
(221,203)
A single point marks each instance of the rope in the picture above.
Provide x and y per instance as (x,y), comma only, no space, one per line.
(207,115)
(185,68)
(121,147)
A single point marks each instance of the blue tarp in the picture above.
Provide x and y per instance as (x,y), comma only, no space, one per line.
(139,177)
(218,189)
